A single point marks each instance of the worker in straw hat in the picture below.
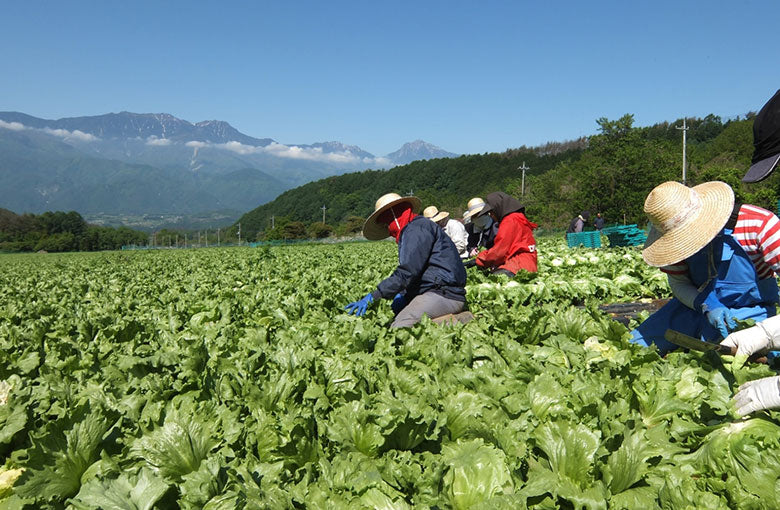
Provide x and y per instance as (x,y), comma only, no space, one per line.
(764,337)
(481,230)
(430,278)
(514,247)
(452,228)
(720,259)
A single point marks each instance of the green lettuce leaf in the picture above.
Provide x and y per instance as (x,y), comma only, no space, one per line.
(139,491)
(476,472)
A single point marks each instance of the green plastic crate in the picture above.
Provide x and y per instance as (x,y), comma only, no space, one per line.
(626,235)
(590,239)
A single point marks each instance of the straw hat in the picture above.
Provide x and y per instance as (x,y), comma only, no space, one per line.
(475,206)
(432,213)
(374,231)
(684,220)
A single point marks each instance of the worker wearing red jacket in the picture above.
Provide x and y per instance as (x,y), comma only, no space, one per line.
(514,247)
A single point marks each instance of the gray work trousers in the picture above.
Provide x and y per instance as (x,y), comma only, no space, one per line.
(431,304)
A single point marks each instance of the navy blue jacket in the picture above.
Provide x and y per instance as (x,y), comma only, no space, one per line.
(427,262)
(481,238)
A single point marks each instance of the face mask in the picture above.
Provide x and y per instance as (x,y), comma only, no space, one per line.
(394,228)
(483,222)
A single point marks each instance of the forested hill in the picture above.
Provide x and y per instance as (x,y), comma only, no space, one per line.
(447,183)
(610,172)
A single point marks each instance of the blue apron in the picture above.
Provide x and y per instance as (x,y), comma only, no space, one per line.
(736,284)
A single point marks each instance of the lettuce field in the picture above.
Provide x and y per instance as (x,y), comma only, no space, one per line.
(232,379)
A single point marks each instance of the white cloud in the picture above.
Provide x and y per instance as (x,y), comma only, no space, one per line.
(62,133)
(311,154)
(240,148)
(379,162)
(71,135)
(13,126)
(159,142)
(295,152)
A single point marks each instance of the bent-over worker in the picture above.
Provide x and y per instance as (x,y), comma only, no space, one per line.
(430,278)
(514,247)
(481,230)
(452,228)
(719,257)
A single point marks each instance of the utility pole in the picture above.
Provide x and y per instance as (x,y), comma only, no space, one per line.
(684,130)
(323,214)
(522,185)
(185,241)
(217,237)
(239,234)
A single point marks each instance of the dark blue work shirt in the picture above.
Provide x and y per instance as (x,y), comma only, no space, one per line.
(427,262)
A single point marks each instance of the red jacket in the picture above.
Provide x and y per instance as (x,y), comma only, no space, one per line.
(514,248)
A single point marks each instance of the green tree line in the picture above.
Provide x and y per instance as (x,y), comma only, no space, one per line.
(61,231)
(610,172)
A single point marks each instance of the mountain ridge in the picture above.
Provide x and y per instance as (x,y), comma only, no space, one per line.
(165,126)
(125,163)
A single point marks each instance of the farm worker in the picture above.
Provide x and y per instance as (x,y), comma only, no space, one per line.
(514,247)
(481,230)
(430,278)
(719,257)
(598,222)
(766,141)
(763,338)
(578,223)
(452,228)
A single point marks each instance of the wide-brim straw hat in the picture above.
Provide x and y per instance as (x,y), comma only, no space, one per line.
(374,231)
(475,206)
(684,220)
(433,214)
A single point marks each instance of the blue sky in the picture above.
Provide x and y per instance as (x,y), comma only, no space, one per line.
(470,77)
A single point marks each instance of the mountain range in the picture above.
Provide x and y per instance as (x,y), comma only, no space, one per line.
(135,164)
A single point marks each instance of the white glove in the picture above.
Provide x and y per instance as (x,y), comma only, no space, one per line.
(758,395)
(761,338)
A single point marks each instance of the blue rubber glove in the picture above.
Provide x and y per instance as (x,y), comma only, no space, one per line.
(720,317)
(398,304)
(723,320)
(359,307)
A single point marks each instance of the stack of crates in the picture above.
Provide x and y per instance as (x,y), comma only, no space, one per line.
(625,235)
(586,239)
